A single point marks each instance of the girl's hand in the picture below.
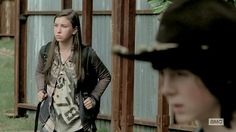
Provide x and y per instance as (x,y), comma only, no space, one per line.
(41,95)
(89,103)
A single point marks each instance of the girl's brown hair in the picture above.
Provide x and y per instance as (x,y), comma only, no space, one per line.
(73,17)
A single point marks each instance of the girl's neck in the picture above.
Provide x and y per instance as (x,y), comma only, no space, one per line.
(65,46)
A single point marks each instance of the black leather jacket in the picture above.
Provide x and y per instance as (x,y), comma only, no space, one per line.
(97,78)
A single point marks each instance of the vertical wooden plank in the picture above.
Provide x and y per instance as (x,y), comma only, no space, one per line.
(12,21)
(123,27)
(16,57)
(23,55)
(87,22)
(5,17)
(66,4)
(20,56)
(128,67)
(117,39)
(163,117)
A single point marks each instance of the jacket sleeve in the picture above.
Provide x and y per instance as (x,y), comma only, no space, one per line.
(39,73)
(102,73)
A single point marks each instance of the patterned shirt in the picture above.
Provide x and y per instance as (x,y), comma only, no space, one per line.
(66,111)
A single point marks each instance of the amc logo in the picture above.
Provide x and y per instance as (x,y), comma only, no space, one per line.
(216,121)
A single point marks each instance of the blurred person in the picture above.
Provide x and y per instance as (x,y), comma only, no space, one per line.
(70,79)
(195,55)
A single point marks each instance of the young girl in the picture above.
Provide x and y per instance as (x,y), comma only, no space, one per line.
(70,79)
(195,59)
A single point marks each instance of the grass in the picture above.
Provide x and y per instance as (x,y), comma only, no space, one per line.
(7,91)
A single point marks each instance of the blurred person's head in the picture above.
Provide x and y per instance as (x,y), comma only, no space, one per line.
(194,55)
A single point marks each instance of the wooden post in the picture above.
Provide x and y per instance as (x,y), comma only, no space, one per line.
(123,27)
(163,117)
(117,39)
(87,22)
(127,117)
(20,56)
(66,4)
(16,57)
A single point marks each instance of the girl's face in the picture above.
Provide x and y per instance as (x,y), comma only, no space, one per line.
(187,95)
(63,29)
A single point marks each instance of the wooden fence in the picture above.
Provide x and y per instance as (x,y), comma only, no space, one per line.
(7,18)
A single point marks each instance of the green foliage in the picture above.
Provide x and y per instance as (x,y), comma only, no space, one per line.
(232,2)
(159,6)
